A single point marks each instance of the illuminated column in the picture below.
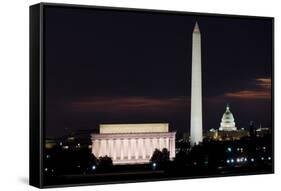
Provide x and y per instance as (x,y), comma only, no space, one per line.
(99,148)
(109,153)
(167,144)
(148,147)
(113,149)
(137,148)
(121,149)
(142,145)
(196,89)
(158,143)
(161,143)
(94,147)
(103,144)
(126,149)
(107,148)
(170,146)
(129,149)
(173,152)
(154,144)
(131,145)
(102,147)
(118,149)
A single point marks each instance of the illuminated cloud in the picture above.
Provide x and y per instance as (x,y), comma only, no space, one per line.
(248,94)
(262,90)
(264,82)
(113,104)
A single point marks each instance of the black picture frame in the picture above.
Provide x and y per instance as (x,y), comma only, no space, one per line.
(38,102)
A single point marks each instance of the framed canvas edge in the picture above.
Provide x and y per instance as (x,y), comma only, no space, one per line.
(159,11)
(35,97)
(37,89)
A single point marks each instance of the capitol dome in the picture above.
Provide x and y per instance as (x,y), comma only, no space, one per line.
(227,121)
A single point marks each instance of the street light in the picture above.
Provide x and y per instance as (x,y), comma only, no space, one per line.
(94,167)
(154,165)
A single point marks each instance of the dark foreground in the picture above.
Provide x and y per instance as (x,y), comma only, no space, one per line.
(137,173)
(68,167)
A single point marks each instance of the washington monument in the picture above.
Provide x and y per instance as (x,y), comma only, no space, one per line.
(196,130)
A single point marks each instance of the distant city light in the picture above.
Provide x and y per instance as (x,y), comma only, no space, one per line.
(48,156)
(227,161)
(212,130)
(94,167)
(238,149)
(252,160)
(229,149)
(154,165)
(269,158)
(232,160)
(262,158)
(242,159)
(46,169)
(65,147)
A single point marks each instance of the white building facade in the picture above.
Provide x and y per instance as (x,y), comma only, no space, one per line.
(132,143)
(227,121)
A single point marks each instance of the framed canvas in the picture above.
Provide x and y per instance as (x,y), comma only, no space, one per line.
(126,95)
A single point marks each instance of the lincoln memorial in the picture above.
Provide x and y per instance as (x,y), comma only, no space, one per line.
(132,143)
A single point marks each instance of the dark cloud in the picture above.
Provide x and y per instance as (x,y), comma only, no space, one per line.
(262,91)
(130,104)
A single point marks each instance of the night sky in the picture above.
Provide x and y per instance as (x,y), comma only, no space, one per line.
(132,67)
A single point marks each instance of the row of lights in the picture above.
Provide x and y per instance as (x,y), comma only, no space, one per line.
(240,149)
(229,149)
(238,160)
(48,169)
(67,147)
(262,158)
(244,159)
